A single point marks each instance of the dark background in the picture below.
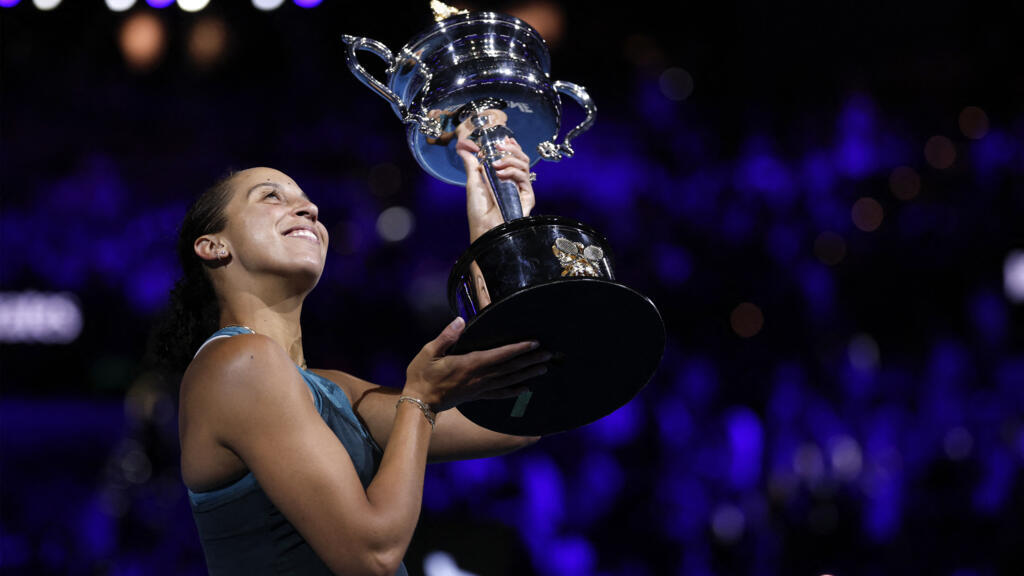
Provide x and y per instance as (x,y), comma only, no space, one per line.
(820,198)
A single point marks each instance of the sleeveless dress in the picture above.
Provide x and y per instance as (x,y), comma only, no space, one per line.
(241,530)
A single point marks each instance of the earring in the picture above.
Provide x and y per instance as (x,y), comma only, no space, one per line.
(222,254)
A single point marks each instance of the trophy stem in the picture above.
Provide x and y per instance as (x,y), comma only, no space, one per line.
(487,136)
(505,193)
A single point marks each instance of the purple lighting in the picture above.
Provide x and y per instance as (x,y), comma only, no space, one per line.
(571,555)
(996,482)
(818,288)
(817,173)
(854,157)
(686,504)
(674,264)
(989,315)
(855,154)
(768,175)
(542,483)
(883,513)
(593,499)
(840,390)
(746,444)
(619,427)
(149,287)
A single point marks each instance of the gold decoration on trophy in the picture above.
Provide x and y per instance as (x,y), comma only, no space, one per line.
(576,259)
(442,10)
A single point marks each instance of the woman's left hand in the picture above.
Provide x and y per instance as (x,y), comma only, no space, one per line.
(481,207)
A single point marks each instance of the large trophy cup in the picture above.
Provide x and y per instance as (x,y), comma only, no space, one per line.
(544,278)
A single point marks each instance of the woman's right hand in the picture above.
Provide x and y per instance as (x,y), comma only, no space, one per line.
(447,381)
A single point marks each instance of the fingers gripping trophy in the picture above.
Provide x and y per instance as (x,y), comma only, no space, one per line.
(545,278)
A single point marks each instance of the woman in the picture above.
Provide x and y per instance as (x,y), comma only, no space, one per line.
(300,471)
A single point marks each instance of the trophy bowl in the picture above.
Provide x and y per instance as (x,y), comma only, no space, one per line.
(543,278)
(467,58)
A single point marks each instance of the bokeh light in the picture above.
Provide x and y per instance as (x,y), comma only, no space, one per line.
(973,122)
(395,224)
(146,400)
(904,183)
(192,5)
(746,320)
(135,464)
(829,248)
(1013,276)
(846,458)
(35,317)
(159,3)
(863,353)
(728,523)
(46,4)
(746,446)
(867,214)
(308,3)
(856,154)
(267,5)
(143,41)
(940,152)
(120,5)
(207,41)
(808,463)
(547,18)
(8,3)
(643,51)
(440,563)
(958,443)
(39,317)
(676,84)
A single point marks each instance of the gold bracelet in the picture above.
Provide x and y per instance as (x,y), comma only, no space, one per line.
(427,412)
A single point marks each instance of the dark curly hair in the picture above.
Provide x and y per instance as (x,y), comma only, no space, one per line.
(193,313)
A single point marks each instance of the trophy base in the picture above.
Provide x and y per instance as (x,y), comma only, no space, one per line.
(607,339)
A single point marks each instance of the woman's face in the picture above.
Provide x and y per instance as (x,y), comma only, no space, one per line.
(272,227)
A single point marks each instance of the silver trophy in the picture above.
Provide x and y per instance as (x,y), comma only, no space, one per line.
(547,278)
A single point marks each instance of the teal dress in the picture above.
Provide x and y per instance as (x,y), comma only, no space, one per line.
(241,530)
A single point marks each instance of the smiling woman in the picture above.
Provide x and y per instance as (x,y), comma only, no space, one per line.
(271,230)
(292,470)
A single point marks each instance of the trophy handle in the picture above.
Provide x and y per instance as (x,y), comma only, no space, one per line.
(428,126)
(553,151)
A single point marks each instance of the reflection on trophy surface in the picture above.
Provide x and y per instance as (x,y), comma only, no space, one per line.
(484,77)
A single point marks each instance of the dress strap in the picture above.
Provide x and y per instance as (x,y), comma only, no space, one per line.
(225,332)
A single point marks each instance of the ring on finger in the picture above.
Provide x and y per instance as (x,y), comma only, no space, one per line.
(533,176)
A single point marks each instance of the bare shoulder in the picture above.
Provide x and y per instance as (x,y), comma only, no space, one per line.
(254,406)
(234,379)
(229,393)
(249,361)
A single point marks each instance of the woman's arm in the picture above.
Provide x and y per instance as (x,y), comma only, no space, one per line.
(258,407)
(255,405)
(482,209)
(455,437)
